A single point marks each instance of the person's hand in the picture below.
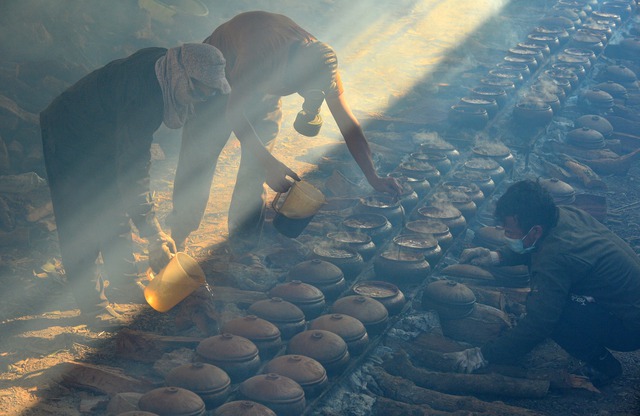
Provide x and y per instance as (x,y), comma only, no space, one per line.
(466,361)
(386,184)
(479,256)
(161,249)
(276,173)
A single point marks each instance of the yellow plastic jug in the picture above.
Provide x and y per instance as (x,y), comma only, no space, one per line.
(302,202)
(175,282)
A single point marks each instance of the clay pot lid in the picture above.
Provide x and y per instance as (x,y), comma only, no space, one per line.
(172,401)
(365,221)
(348,327)
(491,150)
(302,369)
(252,328)
(597,96)
(613,88)
(272,388)
(277,310)
(376,289)
(440,212)
(585,135)
(297,291)
(620,73)
(467,271)
(556,187)
(198,378)
(363,308)
(416,241)
(317,271)
(347,237)
(603,16)
(323,346)
(450,292)
(595,122)
(227,347)
(427,227)
(243,408)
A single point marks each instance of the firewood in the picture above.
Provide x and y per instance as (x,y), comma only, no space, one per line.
(107,380)
(388,407)
(468,384)
(149,347)
(403,390)
(589,178)
(426,350)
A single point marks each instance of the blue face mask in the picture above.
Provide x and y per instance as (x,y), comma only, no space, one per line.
(517,244)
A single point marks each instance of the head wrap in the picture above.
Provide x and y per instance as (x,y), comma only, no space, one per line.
(199,61)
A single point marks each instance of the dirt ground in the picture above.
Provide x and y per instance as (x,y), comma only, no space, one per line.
(39,328)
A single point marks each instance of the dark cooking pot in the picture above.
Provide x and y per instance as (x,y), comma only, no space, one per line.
(440,146)
(327,348)
(431,227)
(617,91)
(243,408)
(209,382)
(324,275)
(359,242)
(350,329)
(279,393)
(307,297)
(488,92)
(452,300)
(236,355)
(482,179)
(376,226)
(426,245)
(470,189)
(264,334)
(386,205)
(305,371)
(370,312)
(597,123)
(347,259)
(285,315)
(586,138)
(400,267)
(446,213)
(435,158)
(384,292)
(486,165)
(172,401)
(463,115)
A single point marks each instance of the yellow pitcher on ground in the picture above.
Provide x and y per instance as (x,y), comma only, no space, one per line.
(176,281)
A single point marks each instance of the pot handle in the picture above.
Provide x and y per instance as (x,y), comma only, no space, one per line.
(275,201)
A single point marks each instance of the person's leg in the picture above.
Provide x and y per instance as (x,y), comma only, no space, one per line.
(73,207)
(586,330)
(203,139)
(246,211)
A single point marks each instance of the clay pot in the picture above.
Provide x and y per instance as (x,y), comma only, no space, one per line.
(279,393)
(551,88)
(586,138)
(308,298)
(552,100)
(431,227)
(347,259)
(560,33)
(264,334)
(490,93)
(583,56)
(421,186)
(452,300)
(440,146)
(324,275)
(630,47)
(327,348)
(491,237)
(305,371)
(388,206)
(602,30)
(437,159)
(339,206)
(550,41)
(481,179)
(606,17)
(243,408)
(558,22)
(541,47)
(350,329)
(375,226)
(446,213)
(236,355)
(526,53)
(563,74)
(458,199)
(468,188)
(532,113)
(496,151)
(515,76)
(620,74)
(567,13)
(574,67)
(172,401)
(595,100)
(586,40)
(467,116)
(467,273)
(400,268)
(419,243)
(528,59)
(207,381)
(504,84)
(617,91)
(522,68)
(420,169)
(359,242)
(561,192)
(488,104)
(285,315)
(384,292)
(408,197)
(621,8)
(370,312)
(487,166)
(597,123)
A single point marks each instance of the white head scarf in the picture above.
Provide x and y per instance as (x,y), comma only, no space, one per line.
(199,61)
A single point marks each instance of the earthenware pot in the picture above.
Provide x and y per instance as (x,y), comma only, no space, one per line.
(349,328)
(550,41)
(359,242)
(384,292)
(324,275)
(452,300)
(327,348)
(437,159)
(586,138)
(307,297)
(561,192)
(305,371)
(532,113)
(595,122)
(209,382)
(347,259)
(285,315)
(370,312)
(617,91)
(488,92)
(446,213)
(420,169)
(400,268)
(236,355)
(264,334)
(440,146)
(514,76)
(595,100)
(386,205)
(419,243)
(496,151)
(488,104)
(486,165)
(463,115)
(432,227)
(420,185)
(172,401)
(243,408)
(481,179)
(279,393)
(458,199)
(375,226)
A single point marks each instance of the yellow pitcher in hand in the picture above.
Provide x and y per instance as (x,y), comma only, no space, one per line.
(176,281)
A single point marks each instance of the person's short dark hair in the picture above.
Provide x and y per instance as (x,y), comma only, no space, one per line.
(529,203)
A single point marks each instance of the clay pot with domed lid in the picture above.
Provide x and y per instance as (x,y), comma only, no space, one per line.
(243,408)
(264,334)
(209,382)
(308,298)
(327,348)
(306,371)
(236,355)
(174,401)
(446,213)
(452,300)
(431,227)
(352,331)
(373,315)
(319,273)
(279,393)
(400,268)
(285,315)
(595,122)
